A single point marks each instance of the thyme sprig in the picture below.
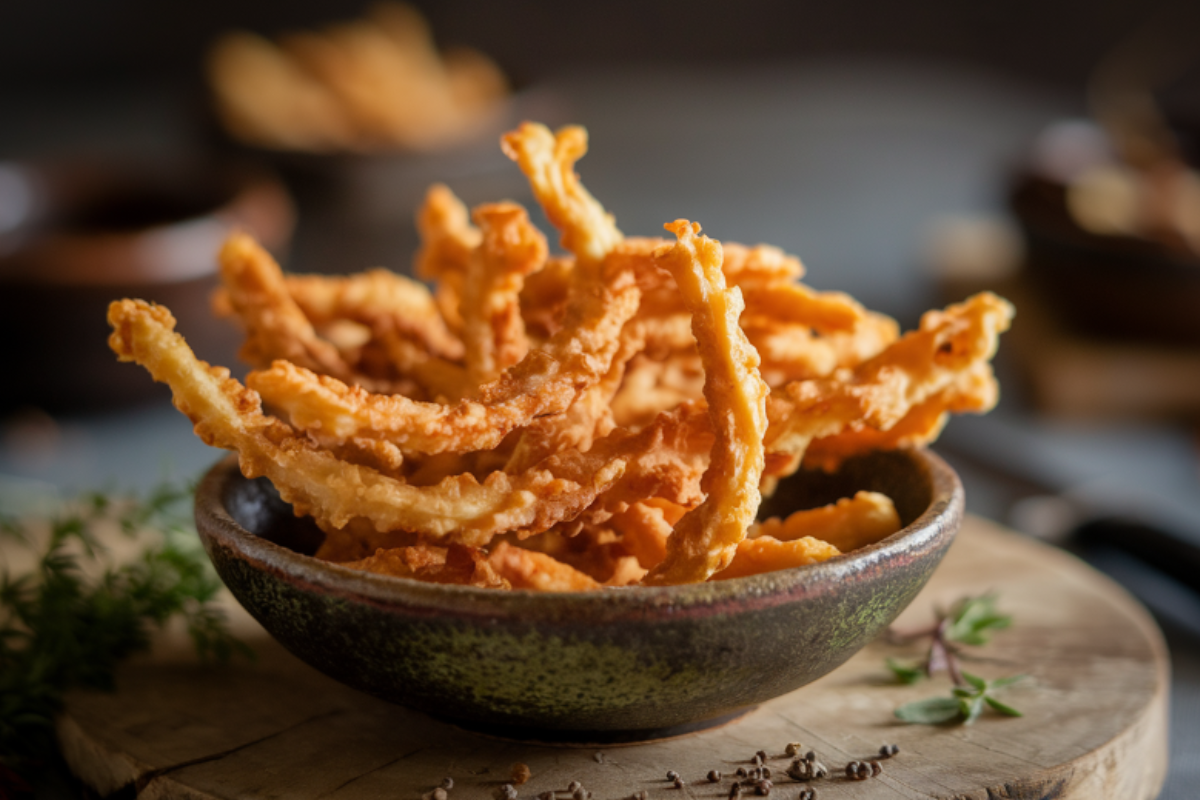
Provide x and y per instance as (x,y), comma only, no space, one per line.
(75,614)
(970,621)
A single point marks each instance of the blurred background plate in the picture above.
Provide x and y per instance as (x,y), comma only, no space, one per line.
(77,234)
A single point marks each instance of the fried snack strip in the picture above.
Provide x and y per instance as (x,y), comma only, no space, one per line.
(881,391)
(378,299)
(548,161)
(493,330)
(526,569)
(447,241)
(848,524)
(974,391)
(459,509)
(792,352)
(706,537)
(546,381)
(275,325)
(767,554)
(455,564)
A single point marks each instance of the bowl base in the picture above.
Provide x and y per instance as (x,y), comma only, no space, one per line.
(558,738)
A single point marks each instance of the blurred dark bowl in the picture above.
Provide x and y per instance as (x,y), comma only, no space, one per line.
(76,235)
(1120,287)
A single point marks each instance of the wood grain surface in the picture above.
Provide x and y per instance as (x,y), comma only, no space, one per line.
(1095,723)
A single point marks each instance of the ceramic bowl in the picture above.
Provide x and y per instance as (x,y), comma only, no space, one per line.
(604,666)
(77,234)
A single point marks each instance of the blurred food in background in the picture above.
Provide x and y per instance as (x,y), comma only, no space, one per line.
(372,84)
(74,232)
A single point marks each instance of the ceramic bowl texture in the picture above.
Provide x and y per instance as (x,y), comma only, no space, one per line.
(603,666)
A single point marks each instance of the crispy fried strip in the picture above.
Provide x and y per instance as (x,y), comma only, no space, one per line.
(767,554)
(882,390)
(759,266)
(379,299)
(544,382)
(526,569)
(644,530)
(455,564)
(794,353)
(602,298)
(548,161)
(706,537)
(275,325)
(459,509)
(493,330)
(848,524)
(974,391)
(447,241)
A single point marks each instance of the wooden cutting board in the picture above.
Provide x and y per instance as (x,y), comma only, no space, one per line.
(1095,723)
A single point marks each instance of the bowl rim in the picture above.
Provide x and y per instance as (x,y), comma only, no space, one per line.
(933,529)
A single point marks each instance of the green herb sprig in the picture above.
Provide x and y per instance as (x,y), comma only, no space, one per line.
(73,616)
(965,704)
(970,621)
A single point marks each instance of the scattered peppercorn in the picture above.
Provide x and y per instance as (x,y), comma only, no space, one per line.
(807,794)
(876,768)
(574,786)
(735,791)
(888,750)
(520,773)
(580,794)
(818,769)
(546,796)
(762,754)
(679,783)
(811,755)
(741,772)
(447,783)
(714,775)
(765,772)
(438,794)
(793,748)
(508,792)
(763,787)
(598,757)
(672,774)
(757,760)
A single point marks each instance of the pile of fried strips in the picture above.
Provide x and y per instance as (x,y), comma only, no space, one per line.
(604,418)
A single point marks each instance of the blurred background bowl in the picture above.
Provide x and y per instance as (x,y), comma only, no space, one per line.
(77,234)
(1107,285)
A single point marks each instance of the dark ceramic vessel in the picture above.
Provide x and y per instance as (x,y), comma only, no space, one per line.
(605,666)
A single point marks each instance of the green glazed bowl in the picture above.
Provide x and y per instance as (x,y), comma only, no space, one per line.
(605,666)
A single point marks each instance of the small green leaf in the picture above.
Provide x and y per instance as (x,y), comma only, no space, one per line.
(999,683)
(971,709)
(905,673)
(932,711)
(1002,707)
(976,681)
